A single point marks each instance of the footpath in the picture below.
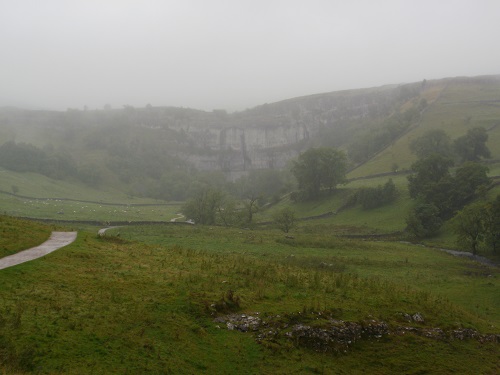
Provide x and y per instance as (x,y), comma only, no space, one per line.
(55,242)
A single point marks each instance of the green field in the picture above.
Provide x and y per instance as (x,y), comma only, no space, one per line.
(114,305)
(44,198)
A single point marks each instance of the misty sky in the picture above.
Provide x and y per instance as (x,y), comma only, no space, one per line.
(209,54)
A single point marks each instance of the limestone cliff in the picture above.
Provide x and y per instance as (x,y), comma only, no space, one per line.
(270,135)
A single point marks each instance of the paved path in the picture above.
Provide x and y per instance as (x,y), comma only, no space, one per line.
(102,232)
(56,241)
(179,216)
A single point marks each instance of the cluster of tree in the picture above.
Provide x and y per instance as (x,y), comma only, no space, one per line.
(372,197)
(478,225)
(469,147)
(317,169)
(25,157)
(439,193)
(203,207)
(235,203)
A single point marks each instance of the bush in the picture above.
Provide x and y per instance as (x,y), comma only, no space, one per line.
(370,197)
(424,221)
(285,219)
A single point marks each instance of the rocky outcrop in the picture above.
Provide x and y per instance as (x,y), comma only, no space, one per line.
(322,333)
(268,136)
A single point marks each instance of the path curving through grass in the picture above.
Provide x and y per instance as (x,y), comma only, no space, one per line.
(56,241)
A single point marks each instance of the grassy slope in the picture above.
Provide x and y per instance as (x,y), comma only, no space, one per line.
(38,186)
(454,108)
(107,306)
(16,235)
(390,218)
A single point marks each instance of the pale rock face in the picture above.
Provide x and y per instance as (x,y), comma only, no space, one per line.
(239,149)
(261,137)
(270,135)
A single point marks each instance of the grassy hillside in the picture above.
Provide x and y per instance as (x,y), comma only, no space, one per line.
(114,305)
(16,235)
(75,201)
(38,186)
(455,105)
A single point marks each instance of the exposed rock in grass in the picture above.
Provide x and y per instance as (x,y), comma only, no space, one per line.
(322,333)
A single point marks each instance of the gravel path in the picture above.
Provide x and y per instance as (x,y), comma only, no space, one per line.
(56,241)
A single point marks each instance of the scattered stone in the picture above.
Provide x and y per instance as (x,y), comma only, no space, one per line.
(337,336)
(415,318)
(418,318)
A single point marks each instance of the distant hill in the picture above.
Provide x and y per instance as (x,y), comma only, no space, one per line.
(139,147)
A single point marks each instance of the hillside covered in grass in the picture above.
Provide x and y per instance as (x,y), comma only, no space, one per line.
(178,299)
(454,106)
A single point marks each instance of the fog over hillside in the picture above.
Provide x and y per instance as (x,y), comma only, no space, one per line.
(233,55)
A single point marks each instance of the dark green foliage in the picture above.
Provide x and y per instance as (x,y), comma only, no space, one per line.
(371,197)
(428,172)
(203,207)
(478,225)
(21,157)
(433,183)
(258,188)
(423,221)
(24,157)
(285,219)
(492,224)
(469,226)
(319,168)
(468,178)
(432,142)
(472,146)
(228,213)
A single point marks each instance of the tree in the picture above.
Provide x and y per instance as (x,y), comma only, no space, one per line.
(228,213)
(469,178)
(319,168)
(203,207)
(468,224)
(251,205)
(262,183)
(428,173)
(285,219)
(371,197)
(472,146)
(423,221)
(492,224)
(432,142)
